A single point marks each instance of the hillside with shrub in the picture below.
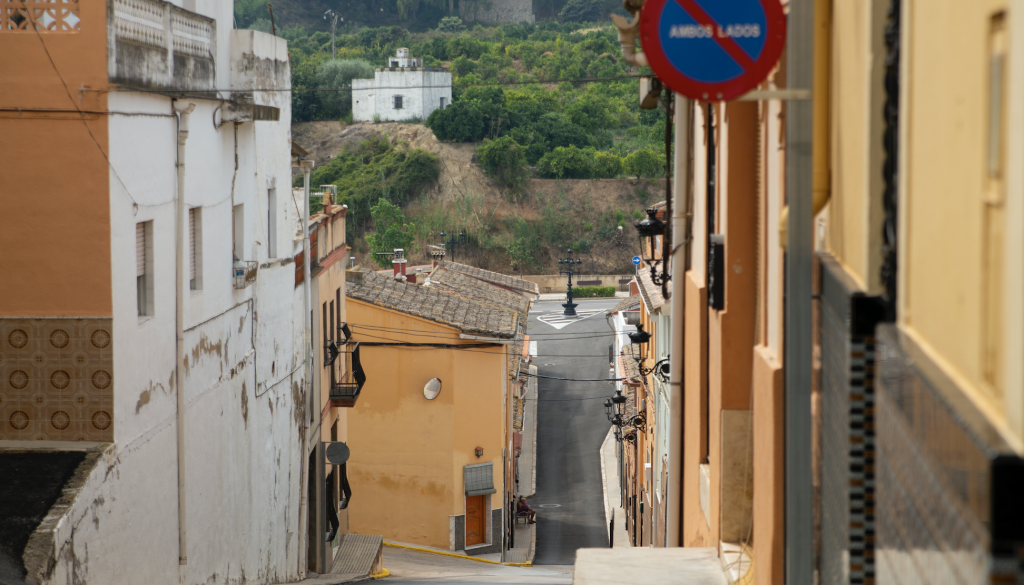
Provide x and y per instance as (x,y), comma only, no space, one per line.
(543,148)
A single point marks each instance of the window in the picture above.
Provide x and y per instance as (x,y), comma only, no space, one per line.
(272,223)
(144,268)
(327,327)
(444,102)
(398,102)
(394,63)
(195,248)
(238,232)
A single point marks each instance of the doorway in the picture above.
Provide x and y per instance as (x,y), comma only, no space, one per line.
(311,519)
(476,520)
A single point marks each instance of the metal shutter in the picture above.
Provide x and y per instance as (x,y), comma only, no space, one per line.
(140,249)
(192,244)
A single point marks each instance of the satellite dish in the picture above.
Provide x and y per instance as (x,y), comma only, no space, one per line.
(337,453)
(432,388)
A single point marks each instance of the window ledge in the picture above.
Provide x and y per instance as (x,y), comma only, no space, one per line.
(144,318)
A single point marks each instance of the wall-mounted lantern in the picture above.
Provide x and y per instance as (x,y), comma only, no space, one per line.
(479,452)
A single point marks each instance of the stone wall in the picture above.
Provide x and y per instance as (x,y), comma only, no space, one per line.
(497,11)
(555,283)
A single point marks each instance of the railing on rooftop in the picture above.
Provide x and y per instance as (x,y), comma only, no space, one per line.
(159,45)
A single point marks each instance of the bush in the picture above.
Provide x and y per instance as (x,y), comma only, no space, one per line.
(567,163)
(607,165)
(340,73)
(390,232)
(505,160)
(593,291)
(644,163)
(460,122)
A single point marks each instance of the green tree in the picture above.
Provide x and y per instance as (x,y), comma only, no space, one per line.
(644,163)
(339,73)
(607,165)
(460,122)
(390,232)
(520,253)
(567,163)
(451,24)
(505,160)
(581,11)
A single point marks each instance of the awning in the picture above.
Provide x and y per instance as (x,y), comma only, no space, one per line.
(480,479)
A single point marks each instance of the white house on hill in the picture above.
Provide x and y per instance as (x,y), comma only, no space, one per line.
(402,91)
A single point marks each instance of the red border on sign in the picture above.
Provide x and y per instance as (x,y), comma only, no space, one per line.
(775,23)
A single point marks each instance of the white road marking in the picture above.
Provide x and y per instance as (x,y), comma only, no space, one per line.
(558,320)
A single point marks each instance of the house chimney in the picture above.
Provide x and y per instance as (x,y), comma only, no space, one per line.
(398,262)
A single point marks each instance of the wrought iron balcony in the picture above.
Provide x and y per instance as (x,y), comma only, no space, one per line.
(347,376)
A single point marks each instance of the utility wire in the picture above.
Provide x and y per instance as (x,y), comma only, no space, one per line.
(348,89)
(35,27)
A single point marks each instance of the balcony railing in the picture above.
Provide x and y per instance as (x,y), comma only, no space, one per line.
(347,376)
(249,275)
(158,45)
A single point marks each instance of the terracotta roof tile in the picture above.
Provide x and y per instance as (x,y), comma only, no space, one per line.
(469,314)
(493,277)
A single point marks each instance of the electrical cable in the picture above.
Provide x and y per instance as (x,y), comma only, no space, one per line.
(439,334)
(576,379)
(35,27)
(344,89)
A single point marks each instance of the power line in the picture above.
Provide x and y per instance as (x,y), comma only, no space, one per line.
(379,329)
(341,89)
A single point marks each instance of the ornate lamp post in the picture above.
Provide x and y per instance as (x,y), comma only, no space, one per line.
(649,230)
(569,266)
(454,241)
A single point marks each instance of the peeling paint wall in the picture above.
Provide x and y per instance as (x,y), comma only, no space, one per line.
(243,356)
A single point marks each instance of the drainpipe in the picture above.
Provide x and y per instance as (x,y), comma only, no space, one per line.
(681,237)
(184,109)
(307,166)
(627,39)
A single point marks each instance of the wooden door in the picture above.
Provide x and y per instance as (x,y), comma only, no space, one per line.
(476,524)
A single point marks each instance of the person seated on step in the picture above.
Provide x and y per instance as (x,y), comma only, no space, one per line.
(523,509)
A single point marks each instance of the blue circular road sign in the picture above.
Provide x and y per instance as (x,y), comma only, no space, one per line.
(712,50)
(636,261)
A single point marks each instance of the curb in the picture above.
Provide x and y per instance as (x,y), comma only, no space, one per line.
(536,399)
(383,573)
(456,555)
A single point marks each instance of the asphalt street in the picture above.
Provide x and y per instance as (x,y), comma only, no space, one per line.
(571,425)
(420,568)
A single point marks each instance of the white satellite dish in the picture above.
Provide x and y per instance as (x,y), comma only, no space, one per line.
(432,388)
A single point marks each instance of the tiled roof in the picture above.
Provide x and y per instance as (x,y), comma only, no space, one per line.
(494,277)
(651,292)
(469,315)
(630,367)
(625,304)
(454,281)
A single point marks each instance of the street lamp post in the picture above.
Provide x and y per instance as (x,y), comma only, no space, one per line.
(454,241)
(569,266)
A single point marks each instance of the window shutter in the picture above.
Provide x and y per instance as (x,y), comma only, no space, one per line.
(140,249)
(192,244)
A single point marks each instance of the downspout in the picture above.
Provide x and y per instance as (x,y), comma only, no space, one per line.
(307,375)
(822,107)
(184,109)
(680,227)
(307,319)
(627,39)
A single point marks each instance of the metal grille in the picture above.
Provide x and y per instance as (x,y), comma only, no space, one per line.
(480,479)
(835,440)
(192,244)
(140,249)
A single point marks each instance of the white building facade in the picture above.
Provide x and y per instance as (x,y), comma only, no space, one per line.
(203,477)
(405,90)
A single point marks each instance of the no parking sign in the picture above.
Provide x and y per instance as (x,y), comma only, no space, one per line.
(712,50)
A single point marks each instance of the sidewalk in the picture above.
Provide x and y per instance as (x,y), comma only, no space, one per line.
(613,493)
(526,534)
(561,297)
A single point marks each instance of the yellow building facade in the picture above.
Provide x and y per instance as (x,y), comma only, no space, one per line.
(431,436)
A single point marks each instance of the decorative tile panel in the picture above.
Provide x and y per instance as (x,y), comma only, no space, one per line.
(39,15)
(56,379)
